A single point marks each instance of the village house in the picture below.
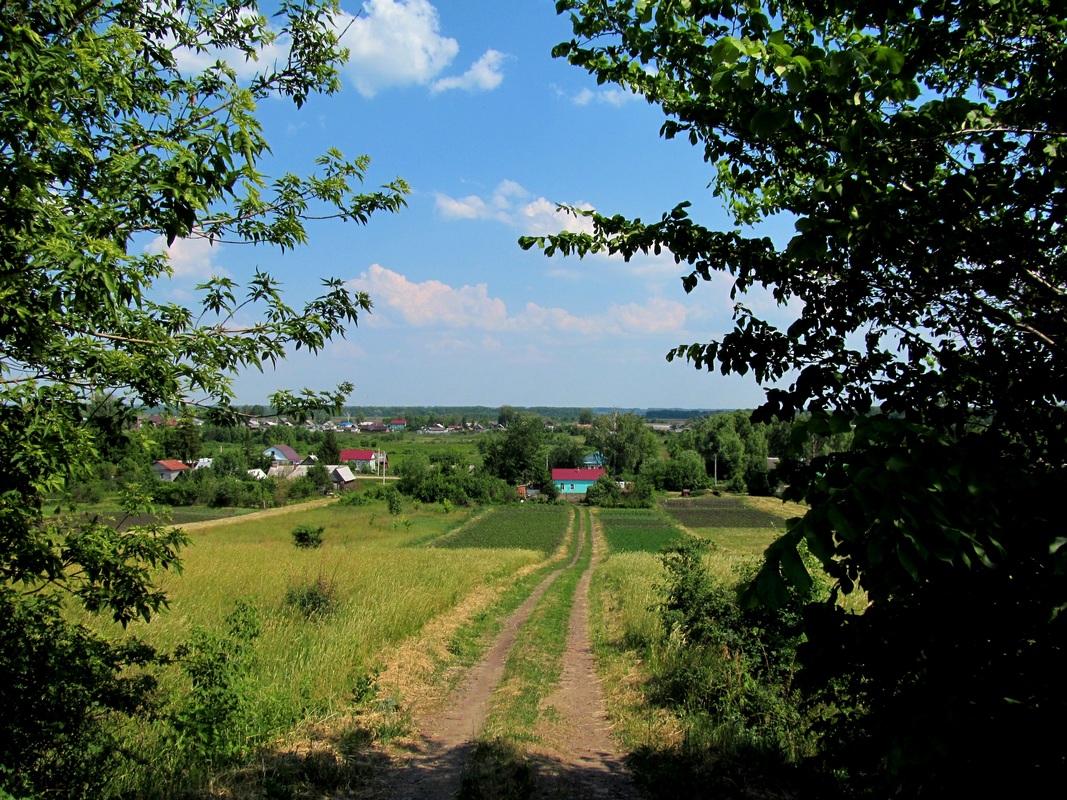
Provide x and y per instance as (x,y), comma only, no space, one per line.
(576,481)
(169,469)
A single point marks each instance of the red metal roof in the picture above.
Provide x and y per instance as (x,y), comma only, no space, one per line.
(172,464)
(356,455)
(578,474)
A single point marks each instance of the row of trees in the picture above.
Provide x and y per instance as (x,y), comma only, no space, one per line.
(726,450)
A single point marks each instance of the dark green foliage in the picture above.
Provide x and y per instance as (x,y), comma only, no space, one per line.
(918,151)
(447,479)
(313,599)
(308,536)
(732,668)
(685,469)
(624,441)
(394,501)
(605,493)
(57,683)
(212,718)
(355,497)
(514,455)
(319,476)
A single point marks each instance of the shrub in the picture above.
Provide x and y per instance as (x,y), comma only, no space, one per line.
(731,667)
(354,498)
(604,493)
(306,536)
(213,719)
(58,682)
(315,598)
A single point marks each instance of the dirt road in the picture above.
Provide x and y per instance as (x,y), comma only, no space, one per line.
(574,755)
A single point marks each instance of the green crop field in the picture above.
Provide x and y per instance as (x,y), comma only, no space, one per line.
(731,522)
(526,527)
(636,530)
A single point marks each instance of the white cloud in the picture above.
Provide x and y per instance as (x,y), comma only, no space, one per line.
(189,258)
(483,75)
(605,95)
(434,303)
(395,43)
(538,217)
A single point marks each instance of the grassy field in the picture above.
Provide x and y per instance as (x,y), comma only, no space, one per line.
(382,590)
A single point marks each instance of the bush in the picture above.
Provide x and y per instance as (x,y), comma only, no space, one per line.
(58,682)
(213,718)
(605,493)
(308,537)
(315,598)
(354,498)
(731,667)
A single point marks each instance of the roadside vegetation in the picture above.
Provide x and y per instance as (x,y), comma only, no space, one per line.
(703,691)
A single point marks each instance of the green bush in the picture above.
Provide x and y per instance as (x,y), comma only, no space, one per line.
(354,498)
(732,668)
(308,536)
(58,683)
(213,719)
(315,598)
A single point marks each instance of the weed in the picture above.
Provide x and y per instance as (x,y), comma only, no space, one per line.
(212,719)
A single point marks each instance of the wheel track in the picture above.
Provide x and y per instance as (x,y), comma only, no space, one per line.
(434,771)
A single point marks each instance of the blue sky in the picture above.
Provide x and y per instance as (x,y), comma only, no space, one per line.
(465,102)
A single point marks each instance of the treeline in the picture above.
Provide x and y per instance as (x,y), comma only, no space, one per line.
(725,451)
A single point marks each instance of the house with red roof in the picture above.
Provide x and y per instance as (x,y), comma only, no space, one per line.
(363,460)
(576,481)
(168,469)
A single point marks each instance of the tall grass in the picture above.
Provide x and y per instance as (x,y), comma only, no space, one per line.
(306,667)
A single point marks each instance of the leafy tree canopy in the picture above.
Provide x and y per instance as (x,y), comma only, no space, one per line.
(108,138)
(919,149)
(515,455)
(623,440)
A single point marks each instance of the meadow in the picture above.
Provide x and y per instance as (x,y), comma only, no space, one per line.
(382,586)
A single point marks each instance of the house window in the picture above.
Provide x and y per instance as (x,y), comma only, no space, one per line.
(572,485)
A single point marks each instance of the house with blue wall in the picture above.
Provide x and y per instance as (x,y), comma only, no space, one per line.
(576,481)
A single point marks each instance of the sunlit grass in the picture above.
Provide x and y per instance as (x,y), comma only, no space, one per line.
(385,591)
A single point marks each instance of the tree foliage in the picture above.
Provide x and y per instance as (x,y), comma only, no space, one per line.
(515,454)
(108,139)
(919,151)
(624,441)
